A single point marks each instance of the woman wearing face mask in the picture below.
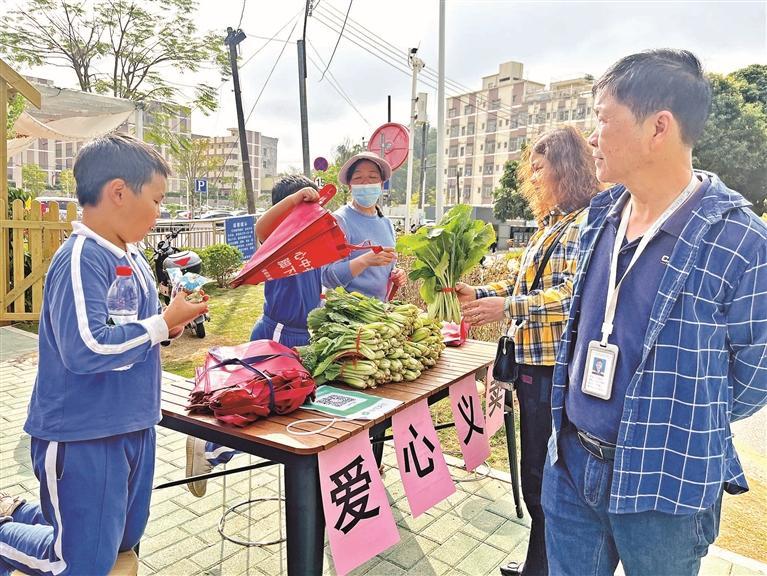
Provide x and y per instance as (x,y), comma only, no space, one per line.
(362,221)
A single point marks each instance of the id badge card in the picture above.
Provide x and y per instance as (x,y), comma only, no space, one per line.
(599,371)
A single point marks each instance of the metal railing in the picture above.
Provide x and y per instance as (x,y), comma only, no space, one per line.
(195,234)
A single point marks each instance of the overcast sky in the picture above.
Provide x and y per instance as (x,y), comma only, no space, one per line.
(554,40)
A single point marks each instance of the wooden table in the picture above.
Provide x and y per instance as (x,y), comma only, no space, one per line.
(268,438)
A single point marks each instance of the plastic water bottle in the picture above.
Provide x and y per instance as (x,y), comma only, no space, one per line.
(122,298)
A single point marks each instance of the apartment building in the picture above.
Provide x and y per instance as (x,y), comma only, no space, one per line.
(262,155)
(53,155)
(488,127)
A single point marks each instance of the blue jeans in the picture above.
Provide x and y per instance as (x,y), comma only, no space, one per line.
(583,538)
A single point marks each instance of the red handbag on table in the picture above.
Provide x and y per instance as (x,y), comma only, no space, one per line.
(240,384)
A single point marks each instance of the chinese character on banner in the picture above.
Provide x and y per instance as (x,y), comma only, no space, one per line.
(358,517)
(469,422)
(421,463)
(494,397)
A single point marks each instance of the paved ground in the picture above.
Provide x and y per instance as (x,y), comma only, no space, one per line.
(472,532)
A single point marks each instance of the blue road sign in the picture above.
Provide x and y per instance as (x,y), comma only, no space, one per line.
(201,186)
(241,233)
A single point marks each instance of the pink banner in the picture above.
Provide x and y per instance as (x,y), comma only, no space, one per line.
(469,422)
(421,463)
(494,394)
(358,517)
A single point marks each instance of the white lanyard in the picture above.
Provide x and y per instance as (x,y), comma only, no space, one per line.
(612,289)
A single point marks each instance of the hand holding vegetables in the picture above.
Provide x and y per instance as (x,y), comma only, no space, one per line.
(465,293)
(484,310)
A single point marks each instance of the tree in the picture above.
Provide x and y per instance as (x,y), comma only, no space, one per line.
(34,180)
(753,84)
(191,156)
(121,47)
(15,108)
(67,182)
(734,142)
(509,203)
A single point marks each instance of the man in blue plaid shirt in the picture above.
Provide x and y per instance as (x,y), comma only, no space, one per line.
(666,341)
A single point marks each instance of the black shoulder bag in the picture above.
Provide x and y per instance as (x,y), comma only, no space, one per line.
(505,368)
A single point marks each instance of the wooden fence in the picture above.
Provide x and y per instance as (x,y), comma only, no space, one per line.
(28,241)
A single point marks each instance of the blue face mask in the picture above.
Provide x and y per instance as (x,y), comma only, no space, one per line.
(366,195)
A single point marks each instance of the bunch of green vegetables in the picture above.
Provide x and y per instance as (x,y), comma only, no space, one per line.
(443,254)
(364,342)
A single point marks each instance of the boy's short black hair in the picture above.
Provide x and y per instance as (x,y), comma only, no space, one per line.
(288,185)
(663,79)
(115,156)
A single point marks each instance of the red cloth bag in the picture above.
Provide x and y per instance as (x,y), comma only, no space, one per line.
(239,384)
(307,239)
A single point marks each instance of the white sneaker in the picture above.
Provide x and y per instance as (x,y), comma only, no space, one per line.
(196,464)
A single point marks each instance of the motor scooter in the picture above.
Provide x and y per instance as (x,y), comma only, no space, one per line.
(166,256)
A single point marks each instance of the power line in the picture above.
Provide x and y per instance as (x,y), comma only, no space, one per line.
(340,35)
(336,85)
(242,13)
(266,82)
(383,45)
(384,54)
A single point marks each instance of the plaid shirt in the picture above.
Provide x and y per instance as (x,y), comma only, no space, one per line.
(704,359)
(544,310)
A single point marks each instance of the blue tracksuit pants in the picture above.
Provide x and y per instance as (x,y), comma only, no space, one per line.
(94,503)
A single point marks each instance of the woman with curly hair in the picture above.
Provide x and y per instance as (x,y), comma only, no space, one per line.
(558,181)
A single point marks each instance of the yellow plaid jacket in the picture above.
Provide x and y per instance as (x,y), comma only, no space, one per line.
(545,310)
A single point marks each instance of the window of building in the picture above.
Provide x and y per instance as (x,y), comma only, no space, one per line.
(454,131)
(453,151)
(513,98)
(492,125)
(495,104)
(461,151)
(470,149)
(481,147)
(488,169)
(482,127)
(451,171)
(463,130)
(490,147)
(467,170)
(452,113)
(470,129)
(468,109)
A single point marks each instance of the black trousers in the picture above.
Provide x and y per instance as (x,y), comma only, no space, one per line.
(534,394)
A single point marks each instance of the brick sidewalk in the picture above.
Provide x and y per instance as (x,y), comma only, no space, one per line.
(472,532)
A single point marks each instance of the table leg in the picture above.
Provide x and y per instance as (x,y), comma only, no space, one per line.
(304,519)
(511,445)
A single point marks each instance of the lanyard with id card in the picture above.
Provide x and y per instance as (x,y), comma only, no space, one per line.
(602,356)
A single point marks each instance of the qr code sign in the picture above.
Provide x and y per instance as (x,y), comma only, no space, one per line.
(338,401)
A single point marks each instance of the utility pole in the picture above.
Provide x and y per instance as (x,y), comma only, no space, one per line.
(417,65)
(233,38)
(301,45)
(440,116)
(424,136)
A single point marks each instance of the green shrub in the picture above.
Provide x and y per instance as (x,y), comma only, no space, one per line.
(220,261)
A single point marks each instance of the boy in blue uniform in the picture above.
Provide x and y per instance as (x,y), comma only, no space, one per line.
(96,399)
(287,303)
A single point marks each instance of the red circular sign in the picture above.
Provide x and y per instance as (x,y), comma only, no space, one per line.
(391,141)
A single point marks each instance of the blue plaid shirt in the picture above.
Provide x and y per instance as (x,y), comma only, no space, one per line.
(703,364)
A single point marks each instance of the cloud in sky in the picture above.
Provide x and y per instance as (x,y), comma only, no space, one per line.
(554,40)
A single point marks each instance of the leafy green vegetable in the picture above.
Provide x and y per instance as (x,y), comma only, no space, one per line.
(443,254)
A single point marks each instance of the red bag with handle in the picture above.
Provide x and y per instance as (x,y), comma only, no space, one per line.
(308,238)
(239,384)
